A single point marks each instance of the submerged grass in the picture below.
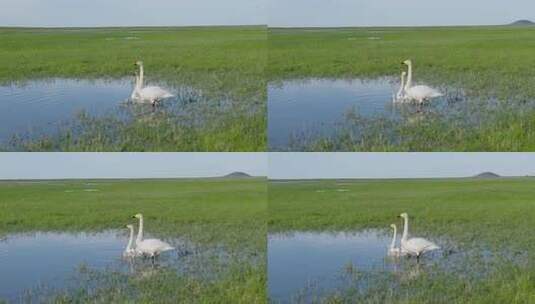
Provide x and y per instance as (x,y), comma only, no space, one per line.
(503,128)
(488,63)
(208,212)
(225,63)
(210,130)
(236,284)
(488,222)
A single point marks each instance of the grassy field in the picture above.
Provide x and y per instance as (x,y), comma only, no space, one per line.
(493,216)
(209,212)
(488,63)
(222,62)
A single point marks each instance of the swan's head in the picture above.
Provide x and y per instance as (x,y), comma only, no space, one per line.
(404,215)
(130,226)
(403,74)
(138,216)
(407,62)
(393,226)
(139,63)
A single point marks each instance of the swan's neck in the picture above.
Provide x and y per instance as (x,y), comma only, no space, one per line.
(131,240)
(141,75)
(138,83)
(405,229)
(402,86)
(393,244)
(136,88)
(409,77)
(140,231)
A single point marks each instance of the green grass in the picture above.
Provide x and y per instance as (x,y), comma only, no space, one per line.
(486,62)
(494,215)
(209,212)
(223,62)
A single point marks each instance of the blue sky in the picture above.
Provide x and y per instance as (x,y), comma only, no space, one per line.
(87,13)
(274,12)
(128,165)
(330,13)
(397,165)
(276,165)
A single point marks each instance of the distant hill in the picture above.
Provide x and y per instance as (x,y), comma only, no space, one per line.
(237,175)
(522,23)
(487,175)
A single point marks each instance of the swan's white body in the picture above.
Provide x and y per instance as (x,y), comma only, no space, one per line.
(149,247)
(394,251)
(414,246)
(419,93)
(400,95)
(129,250)
(150,94)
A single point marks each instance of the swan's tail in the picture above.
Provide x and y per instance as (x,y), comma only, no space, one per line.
(169,248)
(436,94)
(432,247)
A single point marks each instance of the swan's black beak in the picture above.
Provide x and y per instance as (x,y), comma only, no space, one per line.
(133,216)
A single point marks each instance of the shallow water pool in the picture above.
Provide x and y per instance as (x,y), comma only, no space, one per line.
(307,109)
(299,104)
(303,259)
(39,106)
(50,259)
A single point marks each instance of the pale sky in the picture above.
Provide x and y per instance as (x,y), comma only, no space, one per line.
(336,13)
(397,165)
(98,13)
(285,13)
(274,165)
(128,165)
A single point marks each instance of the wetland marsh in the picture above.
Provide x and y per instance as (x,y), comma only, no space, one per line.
(483,71)
(481,225)
(216,225)
(224,66)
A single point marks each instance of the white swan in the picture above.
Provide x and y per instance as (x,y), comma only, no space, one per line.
(420,93)
(130,251)
(414,246)
(153,94)
(394,251)
(400,95)
(149,247)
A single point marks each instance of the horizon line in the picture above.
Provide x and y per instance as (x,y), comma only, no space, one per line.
(125,26)
(260,25)
(477,176)
(512,24)
(128,178)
